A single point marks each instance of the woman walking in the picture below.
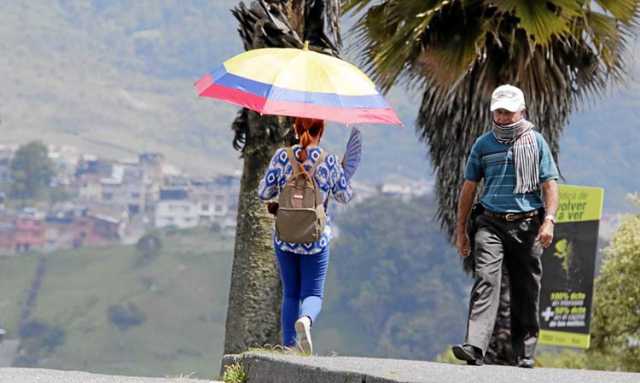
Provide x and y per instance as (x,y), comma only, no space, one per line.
(303,265)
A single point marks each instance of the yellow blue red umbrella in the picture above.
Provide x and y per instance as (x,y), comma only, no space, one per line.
(298,83)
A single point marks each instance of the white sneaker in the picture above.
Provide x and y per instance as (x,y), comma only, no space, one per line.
(303,335)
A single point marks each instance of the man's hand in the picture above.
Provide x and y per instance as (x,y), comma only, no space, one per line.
(545,234)
(462,243)
(467,193)
(550,191)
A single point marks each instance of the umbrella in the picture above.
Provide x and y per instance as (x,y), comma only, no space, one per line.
(298,83)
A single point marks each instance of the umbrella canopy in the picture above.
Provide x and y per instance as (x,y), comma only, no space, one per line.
(298,83)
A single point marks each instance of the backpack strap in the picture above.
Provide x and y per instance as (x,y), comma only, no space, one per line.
(299,169)
(295,164)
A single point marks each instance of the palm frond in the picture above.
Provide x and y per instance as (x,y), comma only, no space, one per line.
(355,6)
(392,33)
(625,11)
(542,20)
(560,52)
(274,23)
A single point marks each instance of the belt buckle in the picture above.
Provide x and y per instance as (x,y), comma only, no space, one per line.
(510,217)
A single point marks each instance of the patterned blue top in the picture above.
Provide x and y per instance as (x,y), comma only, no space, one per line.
(330,178)
(493,161)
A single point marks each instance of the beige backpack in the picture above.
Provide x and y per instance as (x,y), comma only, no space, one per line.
(301,216)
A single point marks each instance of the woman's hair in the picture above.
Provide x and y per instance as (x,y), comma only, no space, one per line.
(306,128)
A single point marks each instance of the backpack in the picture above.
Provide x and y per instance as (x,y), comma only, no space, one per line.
(301,214)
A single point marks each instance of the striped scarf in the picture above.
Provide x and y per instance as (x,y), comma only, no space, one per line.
(525,153)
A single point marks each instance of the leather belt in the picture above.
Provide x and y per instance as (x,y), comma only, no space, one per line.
(510,217)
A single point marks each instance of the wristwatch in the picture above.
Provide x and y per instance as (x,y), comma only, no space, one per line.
(550,217)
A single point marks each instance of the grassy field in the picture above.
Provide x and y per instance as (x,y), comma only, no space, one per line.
(178,299)
(16,274)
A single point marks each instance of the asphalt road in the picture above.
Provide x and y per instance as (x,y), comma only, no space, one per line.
(36,375)
(263,367)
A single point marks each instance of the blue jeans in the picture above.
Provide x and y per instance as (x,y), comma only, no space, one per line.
(303,279)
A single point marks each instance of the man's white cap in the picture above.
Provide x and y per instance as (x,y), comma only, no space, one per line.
(507,97)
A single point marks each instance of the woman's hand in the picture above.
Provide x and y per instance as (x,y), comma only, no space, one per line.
(272,207)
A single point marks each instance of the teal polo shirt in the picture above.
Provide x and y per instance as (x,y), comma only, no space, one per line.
(493,162)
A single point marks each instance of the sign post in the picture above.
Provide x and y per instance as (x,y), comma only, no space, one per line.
(568,269)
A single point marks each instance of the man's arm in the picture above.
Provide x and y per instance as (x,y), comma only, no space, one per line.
(550,195)
(465,201)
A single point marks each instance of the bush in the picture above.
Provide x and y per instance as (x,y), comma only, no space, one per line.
(234,373)
(148,248)
(616,323)
(124,317)
(38,340)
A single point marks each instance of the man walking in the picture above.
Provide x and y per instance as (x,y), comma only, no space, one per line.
(519,203)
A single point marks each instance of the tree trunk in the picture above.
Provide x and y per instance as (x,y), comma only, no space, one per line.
(253,314)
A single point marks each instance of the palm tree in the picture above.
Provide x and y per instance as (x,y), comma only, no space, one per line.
(560,52)
(557,51)
(254,298)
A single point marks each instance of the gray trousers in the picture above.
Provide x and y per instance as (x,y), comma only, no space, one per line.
(498,241)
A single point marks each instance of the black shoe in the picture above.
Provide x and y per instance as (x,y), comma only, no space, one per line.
(526,363)
(472,355)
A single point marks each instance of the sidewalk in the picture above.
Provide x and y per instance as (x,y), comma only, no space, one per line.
(264,367)
(36,375)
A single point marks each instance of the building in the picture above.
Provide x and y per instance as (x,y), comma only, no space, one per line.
(89,187)
(58,221)
(153,165)
(176,210)
(30,232)
(127,186)
(65,161)
(89,173)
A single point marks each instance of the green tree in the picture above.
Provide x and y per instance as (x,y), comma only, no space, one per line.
(563,359)
(148,247)
(616,323)
(254,297)
(31,171)
(457,51)
(395,282)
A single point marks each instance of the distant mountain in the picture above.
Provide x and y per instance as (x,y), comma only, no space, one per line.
(115,77)
(601,145)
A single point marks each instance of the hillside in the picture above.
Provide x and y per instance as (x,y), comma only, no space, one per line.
(108,311)
(113,77)
(395,288)
(116,78)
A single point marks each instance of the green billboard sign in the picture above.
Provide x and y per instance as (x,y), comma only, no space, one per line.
(568,268)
